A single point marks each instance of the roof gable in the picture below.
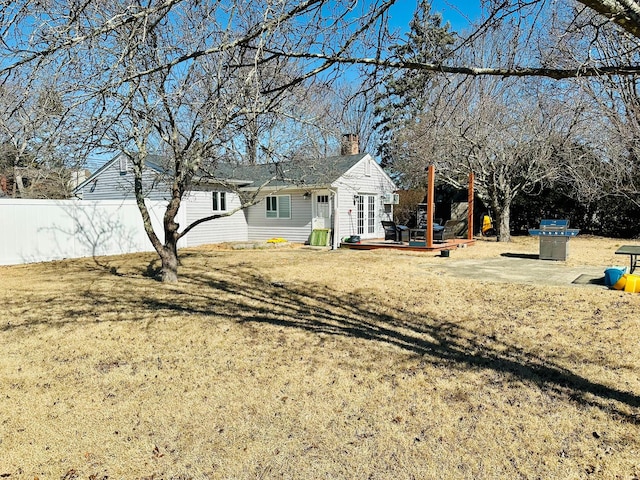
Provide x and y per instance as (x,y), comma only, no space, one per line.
(152,161)
(376,166)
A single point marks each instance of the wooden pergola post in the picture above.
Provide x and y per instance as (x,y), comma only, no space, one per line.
(470,208)
(431,177)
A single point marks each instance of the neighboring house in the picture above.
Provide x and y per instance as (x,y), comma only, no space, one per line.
(348,194)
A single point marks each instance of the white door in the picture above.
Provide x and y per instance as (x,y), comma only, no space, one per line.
(321,211)
(366,215)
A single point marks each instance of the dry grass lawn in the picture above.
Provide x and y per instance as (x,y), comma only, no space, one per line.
(305,364)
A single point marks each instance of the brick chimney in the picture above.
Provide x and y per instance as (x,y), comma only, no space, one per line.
(349,144)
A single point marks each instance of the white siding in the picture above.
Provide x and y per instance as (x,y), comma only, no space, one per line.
(356,182)
(253,223)
(227,229)
(110,184)
(294,229)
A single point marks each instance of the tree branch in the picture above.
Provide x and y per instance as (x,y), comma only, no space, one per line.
(625,13)
(555,73)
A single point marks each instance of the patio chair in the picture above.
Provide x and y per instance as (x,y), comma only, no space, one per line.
(397,233)
(438,230)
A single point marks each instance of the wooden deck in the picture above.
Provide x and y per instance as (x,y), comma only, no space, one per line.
(374,244)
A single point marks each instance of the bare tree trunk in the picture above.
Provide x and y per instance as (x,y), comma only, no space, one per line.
(169,252)
(503,217)
(169,258)
(18,184)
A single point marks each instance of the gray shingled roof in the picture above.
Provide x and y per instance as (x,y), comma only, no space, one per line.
(302,173)
(319,172)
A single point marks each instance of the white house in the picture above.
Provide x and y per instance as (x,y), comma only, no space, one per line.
(349,194)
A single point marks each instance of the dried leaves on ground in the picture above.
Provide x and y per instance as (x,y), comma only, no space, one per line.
(295,363)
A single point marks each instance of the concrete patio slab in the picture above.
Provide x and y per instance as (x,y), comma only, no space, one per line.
(521,269)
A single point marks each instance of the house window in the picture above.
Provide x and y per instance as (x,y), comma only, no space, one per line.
(279,206)
(219,201)
(122,164)
(322,206)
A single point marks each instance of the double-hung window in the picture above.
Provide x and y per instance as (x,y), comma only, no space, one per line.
(278,206)
(219,200)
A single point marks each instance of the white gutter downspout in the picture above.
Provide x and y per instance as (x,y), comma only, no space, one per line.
(336,224)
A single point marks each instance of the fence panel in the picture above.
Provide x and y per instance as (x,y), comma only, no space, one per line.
(44,230)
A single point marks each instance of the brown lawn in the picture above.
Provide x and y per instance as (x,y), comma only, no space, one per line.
(295,363)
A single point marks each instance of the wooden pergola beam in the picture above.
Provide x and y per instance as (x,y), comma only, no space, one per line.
(470,196)
(431,177)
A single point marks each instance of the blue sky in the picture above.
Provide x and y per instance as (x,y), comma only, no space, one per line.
(459,13)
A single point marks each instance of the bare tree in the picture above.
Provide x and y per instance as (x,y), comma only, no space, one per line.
(514,136)
(329,112)
(624,13)
(354,112)
(31,42)
(485,128)
(32,156)
(610,161)
(529,17)
(134,74)
(190,114)
(198,82)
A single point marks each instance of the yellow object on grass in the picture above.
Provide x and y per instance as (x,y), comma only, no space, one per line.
(633,283)
(629,283)
(276,240)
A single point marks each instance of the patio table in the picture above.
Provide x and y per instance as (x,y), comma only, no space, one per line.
(633,251)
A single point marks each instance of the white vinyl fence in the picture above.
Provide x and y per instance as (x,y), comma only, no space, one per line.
(43,230)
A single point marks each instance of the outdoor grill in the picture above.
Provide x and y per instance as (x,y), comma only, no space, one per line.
(554,238)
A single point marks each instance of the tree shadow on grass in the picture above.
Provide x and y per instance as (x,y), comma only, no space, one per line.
(250,298)
(239,294)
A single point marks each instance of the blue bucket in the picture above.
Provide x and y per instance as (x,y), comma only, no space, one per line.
(613,274)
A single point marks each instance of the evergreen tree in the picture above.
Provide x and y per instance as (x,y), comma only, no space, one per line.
(406,93)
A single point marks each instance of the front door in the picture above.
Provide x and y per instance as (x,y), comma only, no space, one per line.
(366,215)
(321,211)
